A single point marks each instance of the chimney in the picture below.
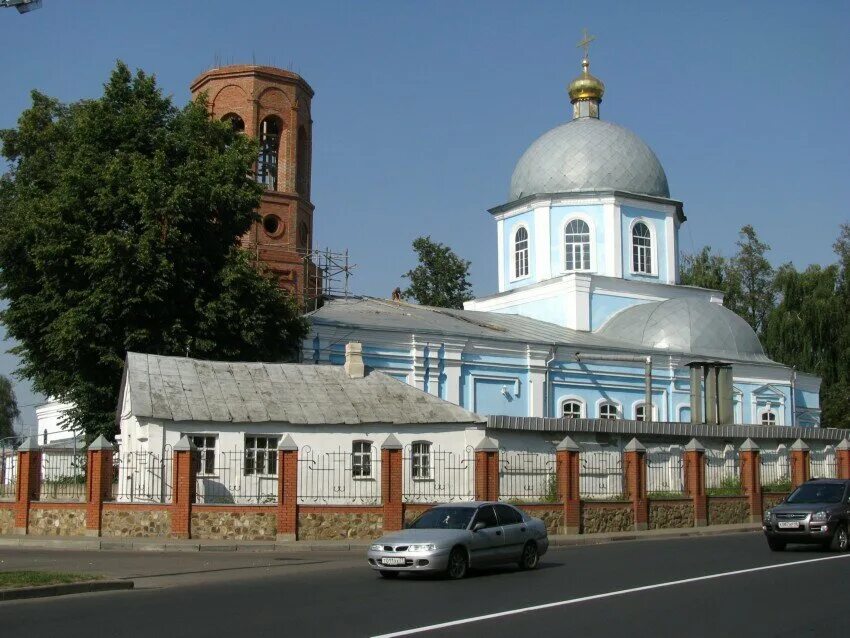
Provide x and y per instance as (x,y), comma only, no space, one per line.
(354,360)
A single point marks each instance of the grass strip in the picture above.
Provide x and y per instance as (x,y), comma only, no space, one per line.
(14,580)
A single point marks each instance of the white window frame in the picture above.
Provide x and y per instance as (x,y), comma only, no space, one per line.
(768,412)
(515,275)
(653,247)
(417,455)
(365,459)
(591,253)
(573,399)
(268,452)
(617,407)
(204,449)
(640,404)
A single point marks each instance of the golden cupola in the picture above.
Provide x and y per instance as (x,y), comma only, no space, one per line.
(586,92)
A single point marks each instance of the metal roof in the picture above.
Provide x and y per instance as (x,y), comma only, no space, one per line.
(588,154)
(664,428)
(183,389)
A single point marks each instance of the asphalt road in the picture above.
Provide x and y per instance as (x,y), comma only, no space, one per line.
(644,588)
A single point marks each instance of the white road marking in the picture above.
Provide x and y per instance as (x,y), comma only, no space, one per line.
(610,594)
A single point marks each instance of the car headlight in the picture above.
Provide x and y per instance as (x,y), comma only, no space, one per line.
(768,515)
(425,547)
(820,517)
(377,547)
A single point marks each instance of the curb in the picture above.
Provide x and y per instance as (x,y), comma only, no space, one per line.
(63,589)
(685,532)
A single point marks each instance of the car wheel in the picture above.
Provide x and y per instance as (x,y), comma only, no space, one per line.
(775,545)
(529,558)
(458,564)
(388,574)
(840,540)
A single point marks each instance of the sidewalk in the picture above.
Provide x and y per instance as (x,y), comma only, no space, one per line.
(84,543)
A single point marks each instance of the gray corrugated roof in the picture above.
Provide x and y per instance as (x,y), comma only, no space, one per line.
(663,428)
(183,389)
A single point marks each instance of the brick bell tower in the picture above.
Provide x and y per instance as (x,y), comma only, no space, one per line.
(273,106)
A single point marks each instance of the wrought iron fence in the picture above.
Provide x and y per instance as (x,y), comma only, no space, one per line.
(665,473)
(823,463)
(239,477)
(527,477)
(341,477)
(601,474)
(432,475)
(775,471)
(63,476)
(8,473)
(142,477)
(722,473)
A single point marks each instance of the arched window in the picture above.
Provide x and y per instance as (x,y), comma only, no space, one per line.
(768,418)
(269,145)
(640,412)
(303,163)
(577,245)
(521,252)
(641,249)
(236,122)
(571,410)
(608,411)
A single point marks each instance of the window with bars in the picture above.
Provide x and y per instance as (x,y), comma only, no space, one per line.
(260,455)
(641,249)
(571,410)
(269,145)
(608,411)
(521,252)
(361,459)
(205,446)
(577,245)
(420,467)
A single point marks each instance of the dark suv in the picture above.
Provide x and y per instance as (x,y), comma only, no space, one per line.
(816,512)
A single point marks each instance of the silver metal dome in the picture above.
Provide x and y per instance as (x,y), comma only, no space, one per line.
(588,154)
(689,326)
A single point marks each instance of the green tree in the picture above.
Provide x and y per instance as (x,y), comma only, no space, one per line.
(8,408)
(119,226)
(751,280)
(441,279)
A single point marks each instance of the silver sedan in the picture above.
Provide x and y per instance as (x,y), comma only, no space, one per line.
(453,537)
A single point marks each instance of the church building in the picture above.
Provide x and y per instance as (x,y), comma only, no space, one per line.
(590,320)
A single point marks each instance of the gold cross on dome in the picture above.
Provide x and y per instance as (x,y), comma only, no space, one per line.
(585,42)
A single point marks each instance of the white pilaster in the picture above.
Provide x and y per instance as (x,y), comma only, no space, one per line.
(542,243)
(451,368)
(672,250)
(577,301)
(616,241)
(536,381)
(607,262)
(500,252)
(417,352)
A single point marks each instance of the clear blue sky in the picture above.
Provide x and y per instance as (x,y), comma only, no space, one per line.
(422,109)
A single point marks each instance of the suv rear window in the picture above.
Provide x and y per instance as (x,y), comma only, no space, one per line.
(817,493)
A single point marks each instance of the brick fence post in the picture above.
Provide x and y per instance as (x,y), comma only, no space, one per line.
(287,490)
(567,476)
(634,460)
(695,481)
(391,484)
(487,470)
(751,478)
(800,470)
(29,483)
(184,488)
(98,482)
(842,457)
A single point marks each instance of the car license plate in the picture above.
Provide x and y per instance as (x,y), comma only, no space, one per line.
(392,561)
(788,525)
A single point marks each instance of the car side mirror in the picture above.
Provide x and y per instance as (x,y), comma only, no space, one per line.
(479,526)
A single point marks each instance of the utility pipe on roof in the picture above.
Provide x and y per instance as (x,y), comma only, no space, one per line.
(647,374)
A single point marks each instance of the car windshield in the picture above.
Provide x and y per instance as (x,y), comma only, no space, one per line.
(817,493)
(444,518)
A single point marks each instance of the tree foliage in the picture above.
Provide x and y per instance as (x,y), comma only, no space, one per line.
(441,279)
(119,226)
(8,408)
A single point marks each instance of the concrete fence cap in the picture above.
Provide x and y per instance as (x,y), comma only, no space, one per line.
(568,445)
(694,445)
(100,444)
(288,444)
(391,443)
(800,444)
(184,445)
(635,446)
(749,446)
(30,444)
(487,445)
(844,445)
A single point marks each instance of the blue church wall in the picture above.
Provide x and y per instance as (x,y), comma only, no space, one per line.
(559,217)
(659,245)
(494,390)
(551,310)
(804,399)
(603,307)
(510,227)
